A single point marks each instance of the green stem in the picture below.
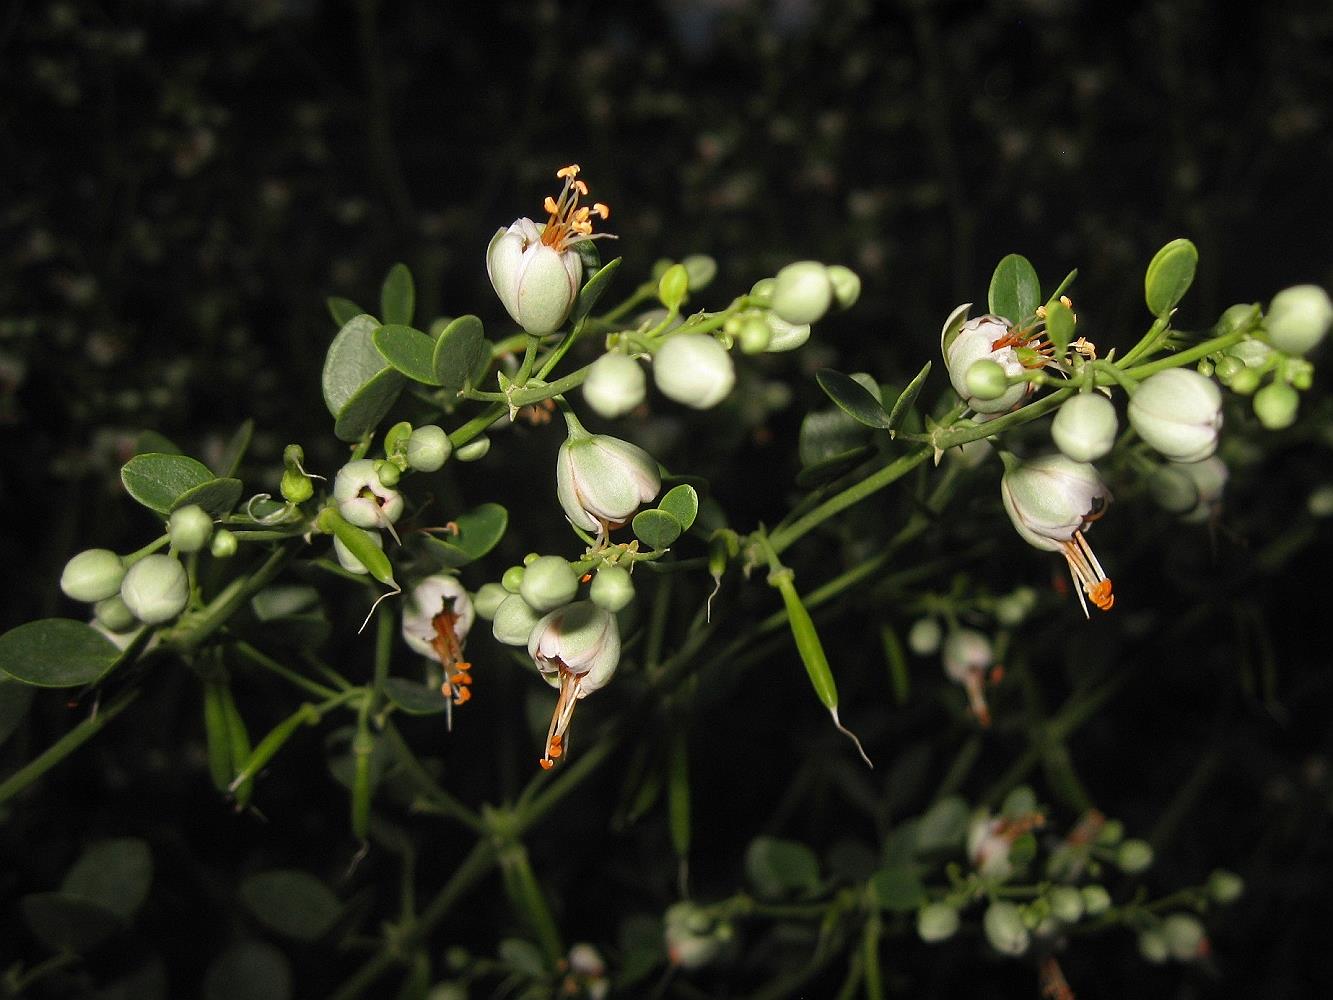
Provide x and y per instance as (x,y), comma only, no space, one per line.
(1186,357)
(64,746)
(268,663)
(441,801)
(197,627)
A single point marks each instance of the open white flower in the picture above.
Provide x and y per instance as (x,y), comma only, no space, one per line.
(436,622)
(577,649)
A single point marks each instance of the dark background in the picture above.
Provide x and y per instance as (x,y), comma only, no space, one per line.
(184,182)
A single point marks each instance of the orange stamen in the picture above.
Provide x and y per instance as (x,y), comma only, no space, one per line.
(567,223)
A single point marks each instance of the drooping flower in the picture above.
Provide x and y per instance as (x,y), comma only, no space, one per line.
(577,649)
(436,622)
(1051,501)
(602,480)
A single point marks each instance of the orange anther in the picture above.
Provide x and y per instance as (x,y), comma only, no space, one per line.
(1101,595)
(580,187)
(570,171)
(463,695)
(585,578)
(546,763)
(549,205)
(996,674)
(602,209)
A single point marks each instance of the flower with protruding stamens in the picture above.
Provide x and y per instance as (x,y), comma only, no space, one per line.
(363,499)
(986,338)
(1051,501)
(436,622)
(577,649)
(535,269)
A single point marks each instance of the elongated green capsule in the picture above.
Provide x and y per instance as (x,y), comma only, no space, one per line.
(238,738)
(363,745)
(216,734)
(306,715)
(358,543)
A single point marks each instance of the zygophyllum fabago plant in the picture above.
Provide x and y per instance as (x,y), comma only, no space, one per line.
(657,590)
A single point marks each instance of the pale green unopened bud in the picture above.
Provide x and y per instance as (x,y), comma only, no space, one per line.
(1153,946)
(488,599)
(1298,318)
(536,283)
(1245,381)
(923,638)
(615,385)
(1300,374)
(1085,427)
(1233,317)
(974,342)
(1275,405)
(1173,489)
(155,589)
(1251,353)
(762,291)
(114,614)
(1096,900)
(602,480)
(1066,904)
(1012,608)
(92,575)
(512,578)
(936,922)
(363,498)
(754,334)
(1185,936)
(1225,887)
(673,286)
(549,582)
(389,472)
(846,285)
(802,292)
(513,621)
(1111,833)
(694,369)
(986,380)
(350,562)
(223,544)
(693,938)
(397,436)
(701,268)
(611,588)
(1178,413)
(1209,479)
(189,528)
(1005,929)
(428,448)
(1227,368)
(786,336)
(1134,856)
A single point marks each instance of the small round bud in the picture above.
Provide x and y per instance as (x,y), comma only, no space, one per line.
(966,651)
(936,922)
(350,562)
(1275,405)
(1085,426)
(1012,608)
(155,589)
(1096,900)
(1185,936)
(1178,413)
(615,385)
(428,448)
(1233,318)
(512,579)
(673,286)
(1225,887)
(549,582)
(1227,367)
(1066,904)
(701,269)
(846,285)
(694,369)
(488,599)
(1300,373)
(611,588)
(388,472)
(802,292)
(296,486)
(189,528)
(223,544)
(761,292)
(986,380)
(754,334)
(1205,368)
(1173,489)
(92,575)
(1005,929)
(1153,946)
(1134,856)
(923,638)
(1111,833)
(1244,382)
(531,558)
(114,614)
(1251,353)
(786,336)
(514,621)
(474,450)
(1298,318)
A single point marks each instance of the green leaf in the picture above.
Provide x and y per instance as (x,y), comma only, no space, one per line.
(150,441)
(369,406)
(682,503)
(944,826)
(656,528)
(1059,326)
(251,970)
(409,351)
(853,398)
(1015,291)
(592,291)
(114,874)
(898,889)
(903,405)
(351,362)
(825,434)
(1169,276)
(778,867)
(397,296)
(479,531)
(217,496)
(235,450)
(158,481)
(458,353)
(342,310)
(832,467)
(15,700)
(56,652)
(68,923)
(415,698)
(292,903)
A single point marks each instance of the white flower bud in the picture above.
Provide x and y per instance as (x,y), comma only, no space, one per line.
(924,636)
(694,369)
(1085,427)
(1153,946)
(976,340)
(693,938)
(1066,904)
(437,618)
(549,582)
(602,480)
(1178,413)
(189,528)
(846,285)
(1185,936)
(802,292)
(611,588)
(1298,318)
(428,448)
(155,589)
(362,497)
(488,599)
(936,922)
(615,385)
(577,649)
(786,336)
(92,575)
(114,614)
(1005,930)
(1134,856)
(514,620)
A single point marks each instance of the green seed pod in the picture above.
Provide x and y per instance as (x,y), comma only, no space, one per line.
(754,334)
(694,369)
(673,286)
(1153,946)
(155,589)
(189,528)
(1225,887)
(512,578)
(513,621)
(1275,405)
(428,448)
(924,637)
(986,380)
(1085,427)
(936,922)
(296,487)
(488,599)
(1245,381)
(802,292)
(786,336)
(92,575)
(1178,413)
(352,561)
(611,588)
(1185,936)
(1096,900)
(1134,856)
(474,450)
(846,285)
(223,544)
(113,613)
(1298,318)
(1300,374)
(549,582)
(1005,929)
(701,269)
(615,385)
(1066,904)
